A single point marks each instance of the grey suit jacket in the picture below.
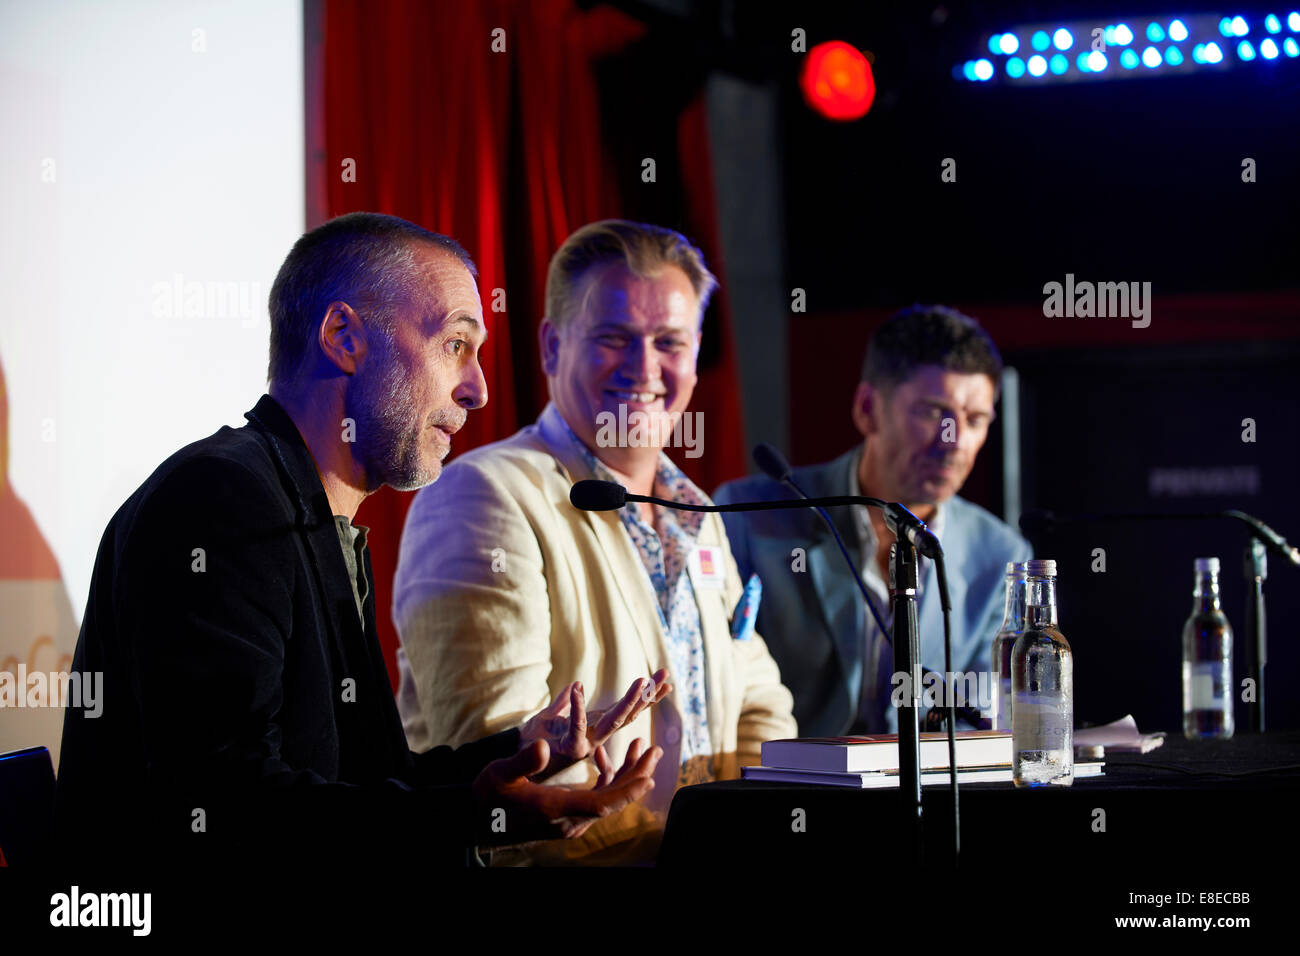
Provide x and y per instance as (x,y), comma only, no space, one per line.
(814,620)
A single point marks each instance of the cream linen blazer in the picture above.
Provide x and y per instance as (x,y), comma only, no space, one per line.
(505,593)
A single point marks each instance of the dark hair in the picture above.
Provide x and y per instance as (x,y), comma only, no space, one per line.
(363,259)
(929,335)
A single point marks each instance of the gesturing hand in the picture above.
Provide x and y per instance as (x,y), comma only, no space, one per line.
(535,811)
(572,734)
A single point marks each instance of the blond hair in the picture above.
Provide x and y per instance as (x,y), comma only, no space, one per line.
(643,248)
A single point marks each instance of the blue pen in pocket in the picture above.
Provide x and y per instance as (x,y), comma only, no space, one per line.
(746,613)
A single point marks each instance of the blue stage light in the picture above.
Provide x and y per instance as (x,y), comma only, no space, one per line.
(968,70)
(1239,26)
(1128,59)
(1212,53)
(1015,68)
(995,43)
(1177,31)
(1293,22)
(1272,24)
(1245,51)
(1059,64)
(983,70)
(1151,57)
(1174,56)
(1154,32)
(1041,41)
(1268,49)
(1063,39)
(1037,66)
(1123,35)
(1291,47)
(1225,26)
(1198,53)
(1009,43)
(1081,61)
(1096,61)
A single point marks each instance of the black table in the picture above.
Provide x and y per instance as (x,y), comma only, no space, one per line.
(1189,816)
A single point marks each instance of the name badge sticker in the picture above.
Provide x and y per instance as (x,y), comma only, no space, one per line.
(710,572)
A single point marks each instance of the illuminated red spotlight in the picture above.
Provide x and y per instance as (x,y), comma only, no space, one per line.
(837,81)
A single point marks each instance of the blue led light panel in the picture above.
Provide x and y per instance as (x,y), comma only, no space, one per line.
(1139,47)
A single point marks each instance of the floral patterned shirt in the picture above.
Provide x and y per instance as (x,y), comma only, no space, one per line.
(664,550)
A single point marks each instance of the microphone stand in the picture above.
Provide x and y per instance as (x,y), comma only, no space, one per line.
(1255,568)
(774,465)
(907,660)
(593,495)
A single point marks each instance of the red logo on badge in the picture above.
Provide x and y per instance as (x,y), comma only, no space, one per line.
(706,562)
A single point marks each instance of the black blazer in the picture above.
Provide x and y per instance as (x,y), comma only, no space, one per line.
(237,677)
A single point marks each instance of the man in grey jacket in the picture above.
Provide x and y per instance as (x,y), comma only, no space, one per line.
(924,407)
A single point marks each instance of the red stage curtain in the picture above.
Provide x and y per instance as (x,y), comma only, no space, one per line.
(504,152)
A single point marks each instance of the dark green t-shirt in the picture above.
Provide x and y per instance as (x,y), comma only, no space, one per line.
(352,538)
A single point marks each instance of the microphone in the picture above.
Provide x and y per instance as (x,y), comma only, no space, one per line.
(898,519)
(592,495)
(903,524)
(1032,522)
(773,464)
(1263,539)
(1268,536)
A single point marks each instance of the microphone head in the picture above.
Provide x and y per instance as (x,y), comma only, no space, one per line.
(771,462)
(592,495)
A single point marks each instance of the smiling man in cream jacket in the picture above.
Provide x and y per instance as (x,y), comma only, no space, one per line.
(505,592)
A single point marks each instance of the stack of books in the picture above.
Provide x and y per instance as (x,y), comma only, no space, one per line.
(869,762)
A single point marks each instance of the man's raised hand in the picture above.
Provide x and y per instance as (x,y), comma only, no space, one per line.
(534,811)
(572,734)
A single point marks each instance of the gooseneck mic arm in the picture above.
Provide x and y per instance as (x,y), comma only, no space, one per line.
(907,656)
(1255,567)
(773,464)
(1031,521)
(592,495)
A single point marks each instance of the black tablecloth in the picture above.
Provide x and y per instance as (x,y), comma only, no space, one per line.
(1203,815)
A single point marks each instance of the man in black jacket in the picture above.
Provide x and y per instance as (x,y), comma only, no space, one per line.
(245,697)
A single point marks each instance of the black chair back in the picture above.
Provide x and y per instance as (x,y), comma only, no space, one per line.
(26,807)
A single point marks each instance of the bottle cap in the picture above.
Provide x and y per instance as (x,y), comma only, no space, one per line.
(1207,565)
(1016,568)
(1041,568)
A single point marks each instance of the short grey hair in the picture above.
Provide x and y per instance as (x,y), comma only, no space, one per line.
(643,248)
(364,259)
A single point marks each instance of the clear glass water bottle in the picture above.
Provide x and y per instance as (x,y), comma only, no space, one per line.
(1013,625)
(1042,688)
(1207,660)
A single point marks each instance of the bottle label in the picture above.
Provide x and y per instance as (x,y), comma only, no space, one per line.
(1208,685)
(1041,723)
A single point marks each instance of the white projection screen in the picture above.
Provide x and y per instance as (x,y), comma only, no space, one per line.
(151,177)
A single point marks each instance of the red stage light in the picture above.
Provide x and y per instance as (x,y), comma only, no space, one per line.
(837,81)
